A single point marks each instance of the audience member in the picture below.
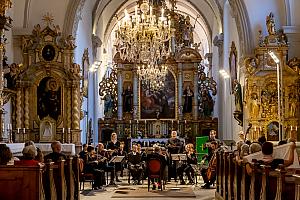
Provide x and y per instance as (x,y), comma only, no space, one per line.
(28,159)
(39,155)
(56,154)
(5,154)
(254,147)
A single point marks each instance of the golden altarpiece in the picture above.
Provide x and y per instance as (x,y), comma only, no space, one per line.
(47,104)
(262,87)
(134,111)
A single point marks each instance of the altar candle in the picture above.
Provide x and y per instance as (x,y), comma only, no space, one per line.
(24,130)
(129,121)
(291,128)
(260,128)
(18,130)
(69,130)
(185,121)
(63,130)
(254,128)
(296,128)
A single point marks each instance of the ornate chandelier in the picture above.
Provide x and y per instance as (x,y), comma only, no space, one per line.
(144,37)
(152,76)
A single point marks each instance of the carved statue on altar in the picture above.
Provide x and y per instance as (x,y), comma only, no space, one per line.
(128,99)
(188,32)
(108,105)
(254,105)
(292,102)
(188,95)
(47,129)
(270,24)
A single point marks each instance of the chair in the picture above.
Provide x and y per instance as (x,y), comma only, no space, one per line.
(84,177)
(155,170)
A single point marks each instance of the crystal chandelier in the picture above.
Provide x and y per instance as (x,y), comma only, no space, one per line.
(152,76)
(144,37)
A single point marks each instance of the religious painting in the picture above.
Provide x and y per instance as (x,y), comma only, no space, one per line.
(273,131)
(47,129)
(158,104)
(85,71)
(127,97)
(49,98)
(233,64)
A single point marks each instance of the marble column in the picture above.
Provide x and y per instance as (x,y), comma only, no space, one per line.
(180,79)
(195,100)
(120,92)
(135,95)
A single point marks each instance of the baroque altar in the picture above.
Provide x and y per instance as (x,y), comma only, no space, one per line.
(184,103)
(47,85)
(265,80)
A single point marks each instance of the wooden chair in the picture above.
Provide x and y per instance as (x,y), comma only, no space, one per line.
(155,171)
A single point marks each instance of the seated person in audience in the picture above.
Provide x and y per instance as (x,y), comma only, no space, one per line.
(267,150)
(262,139)
(91,166)
(5,154)
(39,156)
(157,154)
(244,150)
(83,153)
(29,153)
(135,165)
(187,165)
(254,147)
(281,142)
(56,154)
(209,174)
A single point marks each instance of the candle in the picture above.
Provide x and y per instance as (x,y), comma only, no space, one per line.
(63,130)
(129,121)
(291,128)
(18,130)
(137,121)
(24,130)
(260,128)
(185,121)
(296,128)
(254,128)
(69,130)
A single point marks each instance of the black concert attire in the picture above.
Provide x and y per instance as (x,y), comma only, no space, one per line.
(209,174)
(91,166)
(174,146)
(187,168)
(55,156)
(121,166)
(135,165)
(103,164)
(82,154)
(210,151)
(113,146)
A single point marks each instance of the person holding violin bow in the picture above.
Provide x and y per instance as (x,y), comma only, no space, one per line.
(209,174)
(187,166)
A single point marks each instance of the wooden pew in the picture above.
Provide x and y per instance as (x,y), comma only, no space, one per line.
(48,182)
(69,175)
(76,171)
(59,180)
(21,182)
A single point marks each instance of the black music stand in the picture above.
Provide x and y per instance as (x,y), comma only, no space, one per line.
(178,157)
(114,160)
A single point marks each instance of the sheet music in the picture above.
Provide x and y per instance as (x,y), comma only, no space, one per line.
(116,159)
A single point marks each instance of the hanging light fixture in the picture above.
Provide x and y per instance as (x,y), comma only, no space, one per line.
(145,39)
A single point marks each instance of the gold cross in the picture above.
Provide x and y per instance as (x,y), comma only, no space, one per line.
(48,19)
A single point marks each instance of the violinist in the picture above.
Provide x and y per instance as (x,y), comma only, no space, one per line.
(209,174)
(91,167)
(187,166)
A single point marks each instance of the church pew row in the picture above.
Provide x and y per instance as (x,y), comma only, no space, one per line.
(234,183)
(50,181)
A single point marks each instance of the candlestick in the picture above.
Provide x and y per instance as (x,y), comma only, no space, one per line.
(291,128)
(255,128)
(63,130)
(24,130)
(260,128)
(69,130)
(18,130)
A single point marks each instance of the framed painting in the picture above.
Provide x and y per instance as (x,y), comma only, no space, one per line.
(273,131)
(158,104)
(233,64)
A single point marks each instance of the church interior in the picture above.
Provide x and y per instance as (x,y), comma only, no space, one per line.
(139,99)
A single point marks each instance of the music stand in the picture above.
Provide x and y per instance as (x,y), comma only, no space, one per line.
(114,160)
(178,157)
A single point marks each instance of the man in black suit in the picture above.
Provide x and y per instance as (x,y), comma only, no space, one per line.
(56,154)
(174,146)
(135,165)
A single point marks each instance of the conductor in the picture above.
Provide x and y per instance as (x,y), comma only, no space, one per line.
(174,146)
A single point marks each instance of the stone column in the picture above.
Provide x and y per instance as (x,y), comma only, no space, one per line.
(120,92)
(180,79)
(135,95)
(195,101)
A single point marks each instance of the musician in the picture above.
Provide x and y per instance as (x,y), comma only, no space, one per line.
(174,146)
(187,166)
(157,154)
(212,138)
(135,165)
(209,174)
(114,144)
(103,157)
(121,152)
(83,153)
(91,166)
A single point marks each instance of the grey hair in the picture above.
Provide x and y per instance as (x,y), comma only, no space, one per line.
(255,147)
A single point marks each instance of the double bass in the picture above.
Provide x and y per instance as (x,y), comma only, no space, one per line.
(211,170)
